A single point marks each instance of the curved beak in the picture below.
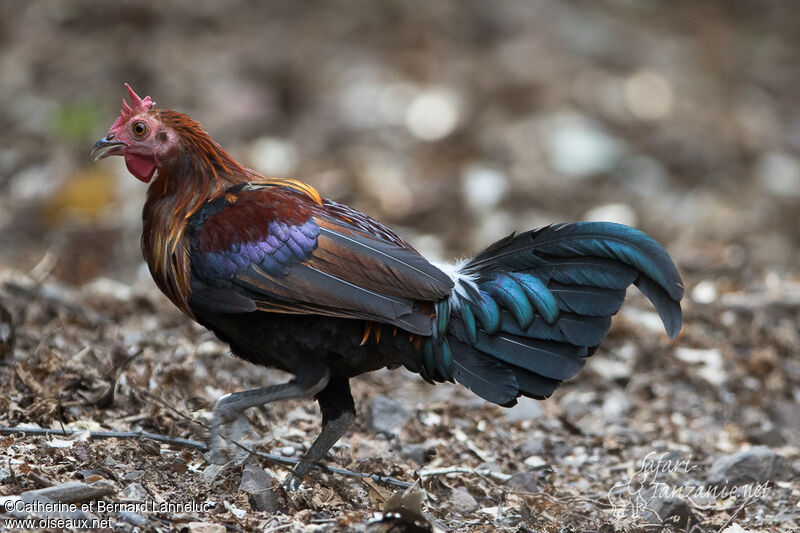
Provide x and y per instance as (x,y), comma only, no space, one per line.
(107,146)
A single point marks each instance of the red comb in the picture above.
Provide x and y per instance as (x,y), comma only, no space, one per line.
(139,105)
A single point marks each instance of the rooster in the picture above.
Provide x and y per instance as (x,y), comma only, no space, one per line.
(294,281)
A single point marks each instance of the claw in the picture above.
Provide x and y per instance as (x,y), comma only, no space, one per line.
(292,482)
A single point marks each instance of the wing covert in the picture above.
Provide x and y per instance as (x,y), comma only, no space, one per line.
(271,249)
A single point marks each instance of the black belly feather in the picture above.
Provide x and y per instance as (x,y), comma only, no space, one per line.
(299,344)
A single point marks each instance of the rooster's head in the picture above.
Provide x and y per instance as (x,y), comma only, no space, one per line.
(139,136)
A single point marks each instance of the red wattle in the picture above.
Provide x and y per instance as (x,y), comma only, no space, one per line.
(142,167)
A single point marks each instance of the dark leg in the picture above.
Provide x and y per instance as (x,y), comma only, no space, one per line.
(228,425)
(338,412)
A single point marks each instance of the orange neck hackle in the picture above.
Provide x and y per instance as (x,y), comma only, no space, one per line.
(198,172)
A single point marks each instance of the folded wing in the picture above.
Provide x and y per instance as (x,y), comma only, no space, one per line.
(274,249)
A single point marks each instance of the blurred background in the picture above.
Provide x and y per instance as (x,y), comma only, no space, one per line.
(457,122)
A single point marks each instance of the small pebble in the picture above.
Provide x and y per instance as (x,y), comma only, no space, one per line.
(756,465)
(460,502)
(385,415)
(178,465)
(134,492)
(205,527)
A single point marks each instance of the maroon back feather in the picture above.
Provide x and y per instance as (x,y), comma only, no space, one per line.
(248,217)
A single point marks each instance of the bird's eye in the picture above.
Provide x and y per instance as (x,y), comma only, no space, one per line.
(139,128)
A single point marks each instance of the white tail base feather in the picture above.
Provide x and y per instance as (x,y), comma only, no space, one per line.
(460,280)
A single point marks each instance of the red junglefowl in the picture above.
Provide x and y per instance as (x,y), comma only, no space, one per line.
(294,281)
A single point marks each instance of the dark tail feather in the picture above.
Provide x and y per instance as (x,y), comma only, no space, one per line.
(591,254)
(588,301)
(584,239)
(544,303)
(570,328)
(486,377)
(586,271)
(668,309)
(555,360)
(494,380)
(533,385)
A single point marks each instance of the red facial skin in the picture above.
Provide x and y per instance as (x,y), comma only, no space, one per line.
(148,144)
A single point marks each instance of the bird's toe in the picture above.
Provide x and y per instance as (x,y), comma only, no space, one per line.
(292,482)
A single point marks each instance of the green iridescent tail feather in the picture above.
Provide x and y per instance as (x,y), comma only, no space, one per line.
(528,310)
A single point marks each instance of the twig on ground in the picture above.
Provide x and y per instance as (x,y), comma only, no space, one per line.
(277,459)
(290,461)
(104,435)
(278,528)
(499,476)
(71,492)
(735,514)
